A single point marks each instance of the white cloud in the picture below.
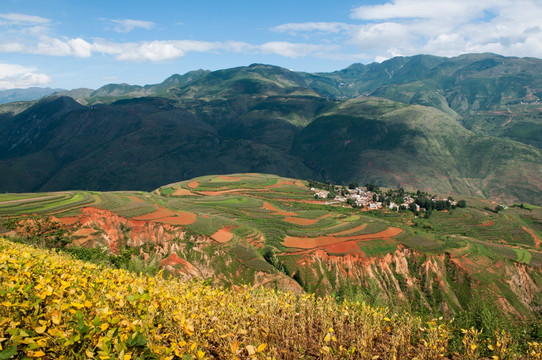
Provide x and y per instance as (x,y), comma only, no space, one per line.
(153,50)
(17,76)
(325,27)
(51,46)
(292,50)
(22,19)
(422,9)
(80,47)
(449,28)
(382,35)
(127,25)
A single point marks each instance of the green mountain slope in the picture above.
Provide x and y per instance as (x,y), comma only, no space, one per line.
(467,125)
(383,142)
(131,144)
(492,94)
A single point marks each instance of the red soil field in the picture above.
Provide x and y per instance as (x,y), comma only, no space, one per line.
(135,198)
(182,192)
(158,214)
(193,184)
(489,223)
(323,241)
(300,221)
(343,248)
(537,241)
(182,218)
(268,206)
(223,235)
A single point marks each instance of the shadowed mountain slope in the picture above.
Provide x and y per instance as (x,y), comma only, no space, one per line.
(467,125)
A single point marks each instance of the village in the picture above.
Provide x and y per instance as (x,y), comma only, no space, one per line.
(372,198)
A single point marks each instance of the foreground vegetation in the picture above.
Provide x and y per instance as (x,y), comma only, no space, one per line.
(54,307)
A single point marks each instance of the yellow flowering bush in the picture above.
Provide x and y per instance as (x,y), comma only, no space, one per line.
(55,307)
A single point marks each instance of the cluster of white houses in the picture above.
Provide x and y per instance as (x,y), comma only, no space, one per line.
(366,199)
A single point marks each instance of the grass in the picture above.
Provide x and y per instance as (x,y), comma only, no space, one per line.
(46,205)
(11,197)
(378,247)
(523,256)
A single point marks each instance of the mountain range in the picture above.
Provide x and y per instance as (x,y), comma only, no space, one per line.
(466,125)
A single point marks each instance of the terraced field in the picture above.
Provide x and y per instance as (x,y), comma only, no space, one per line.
(267,230)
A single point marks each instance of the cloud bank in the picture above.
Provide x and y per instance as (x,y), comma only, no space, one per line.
(370,33)
(17,76)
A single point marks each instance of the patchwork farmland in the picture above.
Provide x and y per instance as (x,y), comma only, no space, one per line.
(265,230)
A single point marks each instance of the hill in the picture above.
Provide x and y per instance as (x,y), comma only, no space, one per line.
(466,125)
(490,94)
(86,311)
(264,230)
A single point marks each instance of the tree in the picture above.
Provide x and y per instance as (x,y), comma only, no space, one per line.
(461,204)
(372,187)
(428,213)
(352,186)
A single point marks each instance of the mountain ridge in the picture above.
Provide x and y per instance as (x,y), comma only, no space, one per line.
(456,125)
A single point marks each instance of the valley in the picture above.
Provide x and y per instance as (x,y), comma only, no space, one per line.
(264,230)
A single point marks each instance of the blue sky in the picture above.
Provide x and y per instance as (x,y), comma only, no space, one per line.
(71,44)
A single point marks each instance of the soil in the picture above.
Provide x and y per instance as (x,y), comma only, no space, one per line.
(68,220)
(489,223)
(324,241)
(174,261)
(182,218)
(300,221)
(182,192)
(223,235)
(84,232)
(343,248)
(537,241)
(158,214)
(268,206)
(193,184)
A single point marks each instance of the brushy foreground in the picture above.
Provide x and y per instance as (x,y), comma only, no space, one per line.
(55,307)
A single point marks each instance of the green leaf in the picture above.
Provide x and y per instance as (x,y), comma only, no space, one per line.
(8,353)
(136,340)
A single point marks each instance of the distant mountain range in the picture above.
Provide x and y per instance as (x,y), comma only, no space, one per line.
(28,94)
(468,125)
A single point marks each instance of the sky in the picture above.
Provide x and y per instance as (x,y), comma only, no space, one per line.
(71,44)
